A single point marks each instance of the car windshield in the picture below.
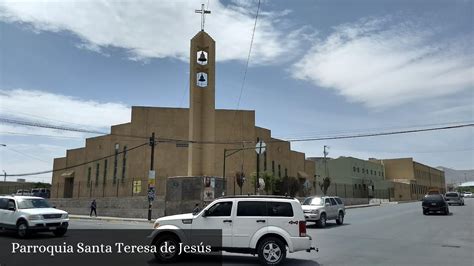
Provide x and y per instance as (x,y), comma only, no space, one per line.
(313,201)
(451,194)
(33,203)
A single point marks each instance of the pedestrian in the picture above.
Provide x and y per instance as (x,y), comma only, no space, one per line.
(93,208)
(196,209)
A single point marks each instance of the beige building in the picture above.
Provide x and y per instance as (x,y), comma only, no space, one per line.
(115,165)
(416,178)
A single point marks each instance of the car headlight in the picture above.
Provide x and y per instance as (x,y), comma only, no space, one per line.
(65,216)
(156,225)
(34,217)
(315,211)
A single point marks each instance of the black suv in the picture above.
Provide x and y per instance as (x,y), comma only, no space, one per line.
(435,203)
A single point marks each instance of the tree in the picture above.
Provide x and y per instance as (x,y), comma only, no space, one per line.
(289,185)
(240,179)
(271,181)
(325,185)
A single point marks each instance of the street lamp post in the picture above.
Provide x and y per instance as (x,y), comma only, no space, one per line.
(4,173)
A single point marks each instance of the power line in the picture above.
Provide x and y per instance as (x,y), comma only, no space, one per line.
(408,151)
(248,57)
(317,138)
(77,165)
(382,133)
(270,141)
(50,126)
(27,155)
(39,135)
(362,130)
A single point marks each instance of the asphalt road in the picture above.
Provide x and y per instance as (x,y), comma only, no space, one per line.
(396,234)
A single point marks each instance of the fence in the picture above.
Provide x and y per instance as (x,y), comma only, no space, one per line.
(129,187)
(69,188)
(7,188)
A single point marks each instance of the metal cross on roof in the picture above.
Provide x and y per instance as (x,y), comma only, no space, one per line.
(203,12)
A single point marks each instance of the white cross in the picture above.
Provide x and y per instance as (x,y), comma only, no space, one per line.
(203,12)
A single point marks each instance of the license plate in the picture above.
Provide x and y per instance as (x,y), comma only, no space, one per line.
(433,204)
(52,228)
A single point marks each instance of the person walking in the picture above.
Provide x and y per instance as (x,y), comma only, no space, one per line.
(196,209)
(93,208)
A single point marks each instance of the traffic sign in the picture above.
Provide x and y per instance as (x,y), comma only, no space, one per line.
(260,147)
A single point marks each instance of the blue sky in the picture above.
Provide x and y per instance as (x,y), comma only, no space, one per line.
(316,68)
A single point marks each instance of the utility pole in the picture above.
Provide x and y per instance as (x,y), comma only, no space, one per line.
(223,175)
(325,153)
(4,173)
(258,171)
(151,183)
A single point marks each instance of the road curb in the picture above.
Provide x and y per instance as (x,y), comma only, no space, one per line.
(362,206)
(84,217)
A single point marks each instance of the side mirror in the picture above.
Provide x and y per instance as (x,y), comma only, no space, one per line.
(54,207)
(328,204)
(206,213)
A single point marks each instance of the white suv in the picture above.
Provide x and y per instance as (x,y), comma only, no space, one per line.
(320,209)
(27,214)
(263,225)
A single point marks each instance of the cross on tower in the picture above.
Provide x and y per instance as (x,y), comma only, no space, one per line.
(203,12)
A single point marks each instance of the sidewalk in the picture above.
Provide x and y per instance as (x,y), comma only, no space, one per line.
(362,206)
(108,218)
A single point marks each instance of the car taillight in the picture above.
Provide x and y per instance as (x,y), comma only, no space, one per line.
(302,225)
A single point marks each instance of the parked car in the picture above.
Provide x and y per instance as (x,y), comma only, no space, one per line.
(23,192)
(435,203)
(320,209)
(27,214)
(468,194)
(263,225)
(454,198)
(41,192)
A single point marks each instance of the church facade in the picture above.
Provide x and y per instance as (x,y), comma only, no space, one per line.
(188,142)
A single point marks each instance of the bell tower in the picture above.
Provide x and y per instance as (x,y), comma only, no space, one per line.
(201,157)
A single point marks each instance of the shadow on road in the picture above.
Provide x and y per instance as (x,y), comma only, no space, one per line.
(13,235)
(438,214)
(328,226)
(232,260)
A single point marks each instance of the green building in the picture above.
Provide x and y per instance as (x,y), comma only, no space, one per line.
(352,177)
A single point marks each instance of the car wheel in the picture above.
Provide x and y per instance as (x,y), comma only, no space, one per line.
(22,229)
(168,240)
(271,251)
(446,211)
(340,218)
(60,232)
(425,212)
(322,220)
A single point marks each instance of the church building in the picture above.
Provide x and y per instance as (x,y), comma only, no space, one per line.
(196,141)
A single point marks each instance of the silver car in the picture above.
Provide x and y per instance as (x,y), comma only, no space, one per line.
(454,198)
(319,209)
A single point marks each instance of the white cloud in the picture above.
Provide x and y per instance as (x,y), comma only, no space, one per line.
(381,63)
(59,109)
(155,29)
(38,146)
